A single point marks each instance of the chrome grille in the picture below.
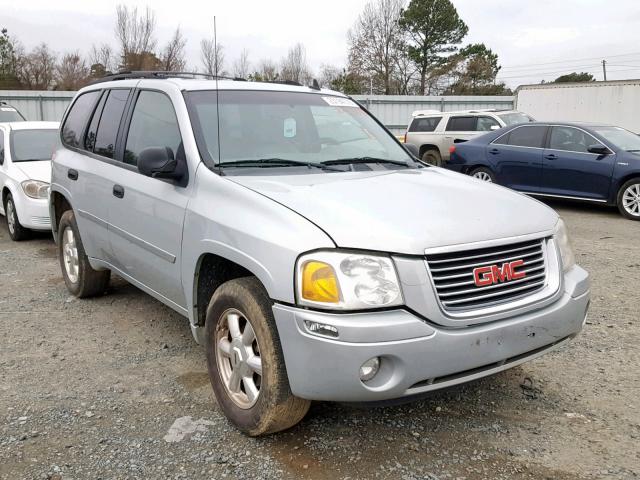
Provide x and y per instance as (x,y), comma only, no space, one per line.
(453,275)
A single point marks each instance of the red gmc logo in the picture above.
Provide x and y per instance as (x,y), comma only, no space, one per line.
(484,276)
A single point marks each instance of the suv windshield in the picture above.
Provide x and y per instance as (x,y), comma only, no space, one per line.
(619,137)
(10,114)
(290,129)
(29,145)
(514,118)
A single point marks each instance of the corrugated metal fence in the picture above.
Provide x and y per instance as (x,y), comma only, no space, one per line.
(392,110)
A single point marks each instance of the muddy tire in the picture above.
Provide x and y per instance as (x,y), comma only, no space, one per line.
(81,279)
(245,360)
(432,157)
(628,199)
(16,231)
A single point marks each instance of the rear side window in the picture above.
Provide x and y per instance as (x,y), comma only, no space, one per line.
(105,143)
(461,124)
(486,123)
(427,124)
(153,124)
(77,118)
(525,137)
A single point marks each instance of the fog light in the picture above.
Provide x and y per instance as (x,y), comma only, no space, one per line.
(369,369)
(321,329)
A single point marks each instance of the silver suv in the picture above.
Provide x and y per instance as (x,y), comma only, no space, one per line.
(282,221)
(434,133)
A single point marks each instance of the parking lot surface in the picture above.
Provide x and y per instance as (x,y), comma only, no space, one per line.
(115,387)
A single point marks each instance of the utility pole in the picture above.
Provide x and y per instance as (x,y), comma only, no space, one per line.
(604,69)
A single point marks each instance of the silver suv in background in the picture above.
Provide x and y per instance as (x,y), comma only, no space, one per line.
(434,132)
(281,221)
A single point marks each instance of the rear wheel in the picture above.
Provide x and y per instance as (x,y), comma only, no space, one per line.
(81,279)
(432,157)
(245,360)
(16,231)
(484,174)
(629,199)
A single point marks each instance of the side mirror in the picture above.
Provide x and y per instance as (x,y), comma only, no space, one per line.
(598,149)
(412,149)
(157,162)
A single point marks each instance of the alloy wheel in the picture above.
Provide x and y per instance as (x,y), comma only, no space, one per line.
(11,217)
(238,358)
(484,176)
(70,255)
(631,200)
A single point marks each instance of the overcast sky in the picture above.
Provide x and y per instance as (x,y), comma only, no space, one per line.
(535,39)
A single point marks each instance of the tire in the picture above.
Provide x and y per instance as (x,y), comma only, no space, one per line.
(432,157)
(81,279)
(628,199)
(484,174)
(274,407)
(16,231)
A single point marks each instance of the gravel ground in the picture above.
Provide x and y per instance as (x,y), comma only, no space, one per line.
(115,387)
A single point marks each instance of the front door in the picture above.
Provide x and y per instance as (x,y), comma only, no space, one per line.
(570,170)
(146,214)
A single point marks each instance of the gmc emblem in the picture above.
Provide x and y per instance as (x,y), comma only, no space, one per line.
(484,276)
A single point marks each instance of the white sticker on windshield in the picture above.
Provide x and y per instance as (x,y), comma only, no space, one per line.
(7,109)
(340,102)
(289,127)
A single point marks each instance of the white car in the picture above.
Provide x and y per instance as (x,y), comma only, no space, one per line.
(25,174)
(434,132)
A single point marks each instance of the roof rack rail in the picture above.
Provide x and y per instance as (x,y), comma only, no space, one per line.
(159,74)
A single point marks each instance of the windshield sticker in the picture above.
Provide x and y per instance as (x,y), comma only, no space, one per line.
(340,102)
(289,127)
(7,109)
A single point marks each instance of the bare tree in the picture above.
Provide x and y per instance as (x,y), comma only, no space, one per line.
(36,70)
(375,41)
(135,34)
(242,66)
(173,56)
(328,75)
(101,60)
(71,72)
(294,66)
(267,71)
(212,57)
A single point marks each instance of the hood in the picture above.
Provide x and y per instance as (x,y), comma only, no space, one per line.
(405,211)
(35,170)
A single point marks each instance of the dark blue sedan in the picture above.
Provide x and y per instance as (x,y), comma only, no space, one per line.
(594,163)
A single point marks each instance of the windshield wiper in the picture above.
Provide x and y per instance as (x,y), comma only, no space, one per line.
(275,162)
(351,161)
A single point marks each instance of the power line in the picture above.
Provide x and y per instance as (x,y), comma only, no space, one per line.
(572,60)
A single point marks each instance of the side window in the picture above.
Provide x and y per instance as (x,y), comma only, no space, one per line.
(90,137)
(528,136)
(571,140)
(427,124)
(77,118)
(485,124)
(153,124)
(105,143)
(1,147)
(461,124)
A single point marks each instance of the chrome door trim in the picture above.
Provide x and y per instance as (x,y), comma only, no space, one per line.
(569,197)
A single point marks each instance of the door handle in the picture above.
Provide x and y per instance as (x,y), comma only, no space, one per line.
(72,174)
(551,156)
(494,151)
(118,191)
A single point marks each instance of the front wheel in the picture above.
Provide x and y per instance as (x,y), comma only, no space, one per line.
(16,231)
(483,174)
(81,279)
(629,199)
(245,360)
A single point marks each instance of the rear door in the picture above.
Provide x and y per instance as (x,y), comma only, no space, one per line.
(146,214)
(570,170)
(516,157)
(466,127)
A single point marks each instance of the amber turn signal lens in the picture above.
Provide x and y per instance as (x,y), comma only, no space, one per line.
(319,283)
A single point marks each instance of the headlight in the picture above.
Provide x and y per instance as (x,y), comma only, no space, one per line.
(564,245)
(347,281)
(35,188)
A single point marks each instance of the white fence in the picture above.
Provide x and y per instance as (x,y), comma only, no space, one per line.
(392,110)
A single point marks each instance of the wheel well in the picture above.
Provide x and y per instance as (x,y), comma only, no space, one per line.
(211,272)
(5,192)
(624,180)
(424,148)
(60,205)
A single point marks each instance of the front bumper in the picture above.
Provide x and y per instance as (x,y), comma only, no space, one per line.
(33,213)
(418,356)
